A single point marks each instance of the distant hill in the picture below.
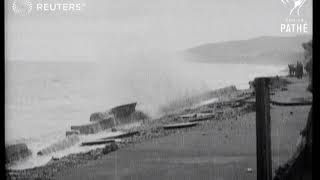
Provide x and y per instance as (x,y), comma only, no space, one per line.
(261,50)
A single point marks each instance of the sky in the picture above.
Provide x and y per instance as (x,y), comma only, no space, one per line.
(113,27)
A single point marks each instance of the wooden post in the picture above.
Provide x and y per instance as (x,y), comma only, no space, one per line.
(263,130)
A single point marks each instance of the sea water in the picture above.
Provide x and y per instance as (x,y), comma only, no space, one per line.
(43,99)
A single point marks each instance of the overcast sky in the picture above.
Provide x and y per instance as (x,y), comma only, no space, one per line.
(106,27)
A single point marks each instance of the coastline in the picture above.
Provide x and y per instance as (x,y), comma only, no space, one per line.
(230,105)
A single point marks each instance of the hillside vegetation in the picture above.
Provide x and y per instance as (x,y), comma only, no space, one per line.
(262,50)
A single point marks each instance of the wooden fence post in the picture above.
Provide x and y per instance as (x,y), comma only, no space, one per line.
(263,130)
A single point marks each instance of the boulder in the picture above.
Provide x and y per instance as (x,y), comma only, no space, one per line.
(17,152)
(72,132)
(252,86)
(133,117)
(97,142)
(109,148)
(95,126)
(122,135)
(123,110)
(100,121)
(100,116)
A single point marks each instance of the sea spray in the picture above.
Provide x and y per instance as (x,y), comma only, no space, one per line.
(151,80)
(60,145)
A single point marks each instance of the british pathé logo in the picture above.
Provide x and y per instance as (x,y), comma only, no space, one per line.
(294,22)
(22,7)
(294,6)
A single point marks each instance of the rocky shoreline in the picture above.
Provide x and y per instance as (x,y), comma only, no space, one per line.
(231,104)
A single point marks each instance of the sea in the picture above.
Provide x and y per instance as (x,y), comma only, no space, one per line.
(44,98)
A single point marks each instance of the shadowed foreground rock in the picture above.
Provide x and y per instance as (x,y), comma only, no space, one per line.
(17,152)
(56,165)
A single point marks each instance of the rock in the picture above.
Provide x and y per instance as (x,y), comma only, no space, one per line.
(95,126)
(252,85)
(99,116)
(133,117)
(207,111)
(109,148)
(72,132)
(17,152)
(114,146)
(54,158)
(97,142)
(123,110)
(104,120)
(236,104)
(188,116)
(179,125)
(122,135)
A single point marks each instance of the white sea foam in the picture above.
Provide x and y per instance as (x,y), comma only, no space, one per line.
(209,101)
(37,145)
